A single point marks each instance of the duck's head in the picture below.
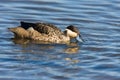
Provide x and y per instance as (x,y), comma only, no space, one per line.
(73,32)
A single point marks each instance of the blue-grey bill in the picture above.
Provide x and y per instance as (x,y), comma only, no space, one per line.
(79,38)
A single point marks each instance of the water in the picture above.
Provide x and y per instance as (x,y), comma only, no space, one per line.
(98,58)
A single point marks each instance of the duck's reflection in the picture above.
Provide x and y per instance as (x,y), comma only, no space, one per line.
(48,50)
(20,41)
(70,49)
(28,45)
(72,61)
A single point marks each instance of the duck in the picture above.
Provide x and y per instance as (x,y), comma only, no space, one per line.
(45,32)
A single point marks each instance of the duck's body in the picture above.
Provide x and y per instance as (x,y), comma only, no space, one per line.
(43,32)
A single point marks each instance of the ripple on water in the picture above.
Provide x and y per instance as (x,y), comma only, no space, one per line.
(97,58)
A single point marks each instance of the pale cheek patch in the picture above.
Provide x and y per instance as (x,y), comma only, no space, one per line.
(71,33)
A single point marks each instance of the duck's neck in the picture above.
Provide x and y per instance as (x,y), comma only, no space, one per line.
(65,37)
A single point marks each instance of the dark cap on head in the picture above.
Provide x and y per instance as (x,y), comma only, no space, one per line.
(73,28)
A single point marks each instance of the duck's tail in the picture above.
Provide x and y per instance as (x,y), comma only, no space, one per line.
(11,29)
(19,32)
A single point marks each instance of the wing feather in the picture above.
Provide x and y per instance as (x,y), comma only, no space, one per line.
(45,28)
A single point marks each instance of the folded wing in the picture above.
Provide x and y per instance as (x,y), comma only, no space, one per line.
(44,28)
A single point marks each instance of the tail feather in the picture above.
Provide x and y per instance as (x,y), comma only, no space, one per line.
(19,32)
(11,29)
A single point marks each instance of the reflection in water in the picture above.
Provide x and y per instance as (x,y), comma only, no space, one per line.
(71,48)
(97,59)
(20,41)
(72,61)
(37,47)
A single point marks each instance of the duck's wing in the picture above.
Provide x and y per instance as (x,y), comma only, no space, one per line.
(26,25)
(45,28)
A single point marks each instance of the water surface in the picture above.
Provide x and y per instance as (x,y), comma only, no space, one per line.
(98,58)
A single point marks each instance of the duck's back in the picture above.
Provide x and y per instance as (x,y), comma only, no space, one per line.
(44,28)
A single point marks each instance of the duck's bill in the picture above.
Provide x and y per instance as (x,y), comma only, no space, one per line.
(79,38)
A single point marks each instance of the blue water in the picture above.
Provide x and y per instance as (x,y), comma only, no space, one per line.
(98,58)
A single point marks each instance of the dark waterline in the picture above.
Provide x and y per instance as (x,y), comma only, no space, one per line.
(98,58)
